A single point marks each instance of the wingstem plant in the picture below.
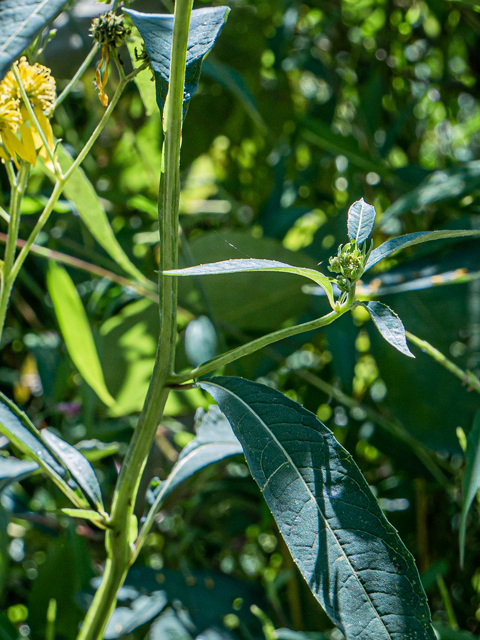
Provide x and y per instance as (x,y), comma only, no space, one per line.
(350,555)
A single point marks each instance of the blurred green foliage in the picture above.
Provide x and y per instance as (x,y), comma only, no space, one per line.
(302,109)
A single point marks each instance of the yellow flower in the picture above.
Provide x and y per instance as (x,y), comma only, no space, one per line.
(10,120)
(40,89)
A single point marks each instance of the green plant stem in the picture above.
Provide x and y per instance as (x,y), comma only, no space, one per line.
(259,343)
(467,377)
(18,190)
(119,538)
(81,70)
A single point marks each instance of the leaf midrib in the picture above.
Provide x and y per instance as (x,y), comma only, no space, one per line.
(287,456)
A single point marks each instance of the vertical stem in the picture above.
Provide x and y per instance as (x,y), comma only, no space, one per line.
(18,189)
(120,537)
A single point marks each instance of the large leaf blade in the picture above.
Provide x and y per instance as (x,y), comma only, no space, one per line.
(389,325)
(20,21)
(471,480)
(361,218)
(350,555)
(251,264)
(76,331)
(79,467)
(410,239)
(157,30)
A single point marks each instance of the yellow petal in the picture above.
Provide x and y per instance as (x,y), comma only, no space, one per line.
(44,123)
(12,145)
(28,143)
(3,155)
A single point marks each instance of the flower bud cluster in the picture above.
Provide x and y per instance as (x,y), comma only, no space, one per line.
(109,29)
(348,263)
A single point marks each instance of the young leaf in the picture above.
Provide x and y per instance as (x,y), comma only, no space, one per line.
(395,244)
(79,468)
(361,218)
(22,433)
(389,325)
(351,557)
(20,21)
(157,30)
(80,191)
(471,479)
(87,514)
(14,470)
(76,331)
(201,341)
(235,266)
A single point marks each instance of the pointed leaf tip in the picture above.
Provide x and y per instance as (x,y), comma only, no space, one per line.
(389,325)
(361,218)
(156,30)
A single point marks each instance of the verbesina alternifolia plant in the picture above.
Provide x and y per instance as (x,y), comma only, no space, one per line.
(338,536)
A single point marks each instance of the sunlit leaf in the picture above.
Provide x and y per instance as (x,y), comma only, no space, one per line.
(14,470)
(79,467)
(20,21)
(402,242)
(389,325)
(349,554)
(143,80)
(237,266)
(81,192)
(86,514)
(76,331)
(361,218)
(471,479)
(157,29)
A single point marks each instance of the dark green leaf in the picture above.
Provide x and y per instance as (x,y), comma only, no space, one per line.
(410,239)
(389,325)
(20,21)
(7,630)
(25,436)
(14,470)
(440,185)
(471,479)
(126,619)
(79,467)
(361,218)
(227,77)
(156,31)
(238,266)
(350,555)
(201,341)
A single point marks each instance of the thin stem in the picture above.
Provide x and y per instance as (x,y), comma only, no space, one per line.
(81,70)
(467,377)
(259,343)
(13,227)
(119,538)
(34,120)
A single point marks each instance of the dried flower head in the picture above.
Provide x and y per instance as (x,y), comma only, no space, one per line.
(109,29)
(38,83)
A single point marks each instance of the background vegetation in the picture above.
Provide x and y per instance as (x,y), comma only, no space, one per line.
(302,109)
